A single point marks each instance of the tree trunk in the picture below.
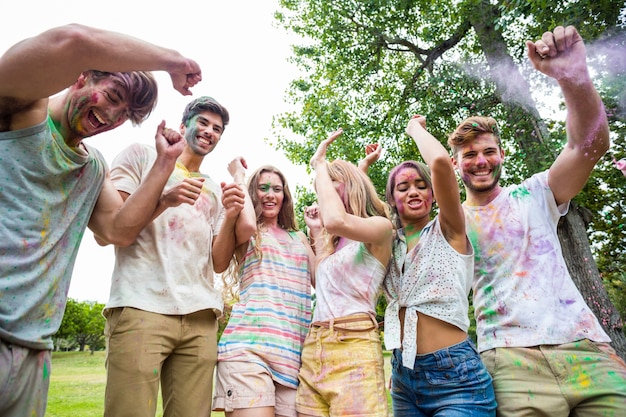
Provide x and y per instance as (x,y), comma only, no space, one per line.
(582,267)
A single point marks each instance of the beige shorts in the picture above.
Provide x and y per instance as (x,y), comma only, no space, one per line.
(580,378)
(250,385)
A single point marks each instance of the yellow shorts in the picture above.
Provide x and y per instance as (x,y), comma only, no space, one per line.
(342,369)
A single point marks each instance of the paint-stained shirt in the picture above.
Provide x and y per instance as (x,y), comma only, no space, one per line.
(269,323)
(347,282)
(47,193)
(169,268)
(523,292)
(433,279)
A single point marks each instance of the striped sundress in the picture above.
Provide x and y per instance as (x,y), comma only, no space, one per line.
(270,321)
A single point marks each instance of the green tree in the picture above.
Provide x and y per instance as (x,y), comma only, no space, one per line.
(369,65)
(82,325)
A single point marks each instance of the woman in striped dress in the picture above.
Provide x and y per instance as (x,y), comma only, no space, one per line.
(259,351)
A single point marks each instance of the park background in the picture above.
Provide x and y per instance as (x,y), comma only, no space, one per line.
(354,79)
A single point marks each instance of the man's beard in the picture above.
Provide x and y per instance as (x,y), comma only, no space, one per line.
(483,188)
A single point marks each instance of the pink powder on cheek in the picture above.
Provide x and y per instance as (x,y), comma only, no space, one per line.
(399,205)
(94,97)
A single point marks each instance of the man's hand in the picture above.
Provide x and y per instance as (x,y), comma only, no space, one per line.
(188,77)
(560,54)
(168,142)
(185,192)
(417,122)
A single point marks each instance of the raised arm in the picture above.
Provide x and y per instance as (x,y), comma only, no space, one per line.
(445,185)
(239,223)
(372,154)
(561,54)
(372,230)
(119,222)
(43,65)
(315,239)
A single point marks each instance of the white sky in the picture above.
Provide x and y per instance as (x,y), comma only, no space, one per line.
(243,57)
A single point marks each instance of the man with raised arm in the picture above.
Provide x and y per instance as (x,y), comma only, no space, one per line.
(54,185)
(545,349)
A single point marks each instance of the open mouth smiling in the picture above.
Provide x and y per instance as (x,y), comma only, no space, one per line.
(96,120)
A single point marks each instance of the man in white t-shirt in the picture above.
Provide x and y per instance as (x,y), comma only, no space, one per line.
(545,349)
(162,312)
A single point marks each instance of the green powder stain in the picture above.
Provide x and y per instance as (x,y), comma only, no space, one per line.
(520,192)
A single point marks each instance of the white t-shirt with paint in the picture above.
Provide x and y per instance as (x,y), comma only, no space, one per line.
(523,292)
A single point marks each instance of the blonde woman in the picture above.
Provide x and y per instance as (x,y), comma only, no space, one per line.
(342,362)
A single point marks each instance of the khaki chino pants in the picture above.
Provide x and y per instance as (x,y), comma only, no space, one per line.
(145,349)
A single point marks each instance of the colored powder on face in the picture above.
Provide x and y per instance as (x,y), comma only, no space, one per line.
(191,130)
(399,206)
(497,170)
(75,122)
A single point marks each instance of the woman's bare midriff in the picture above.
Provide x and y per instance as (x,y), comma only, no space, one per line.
(434,334)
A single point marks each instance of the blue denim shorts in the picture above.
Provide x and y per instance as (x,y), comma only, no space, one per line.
(452,381)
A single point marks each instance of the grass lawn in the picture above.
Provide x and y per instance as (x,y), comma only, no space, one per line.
(77,385)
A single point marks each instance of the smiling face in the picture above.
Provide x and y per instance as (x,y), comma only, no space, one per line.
(270,194)
(479,163)
(96,107)
(412,196)
(203,132)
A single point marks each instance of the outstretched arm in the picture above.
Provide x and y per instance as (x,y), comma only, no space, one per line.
(119,222)
(43,65)
(561,54)
(445,185)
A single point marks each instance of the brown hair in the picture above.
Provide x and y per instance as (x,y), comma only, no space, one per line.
(141,89)
(469,129)
(422,170)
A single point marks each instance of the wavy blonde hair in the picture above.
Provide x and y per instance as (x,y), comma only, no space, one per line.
(362,199)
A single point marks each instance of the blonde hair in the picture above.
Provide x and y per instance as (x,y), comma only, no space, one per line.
(362,199)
